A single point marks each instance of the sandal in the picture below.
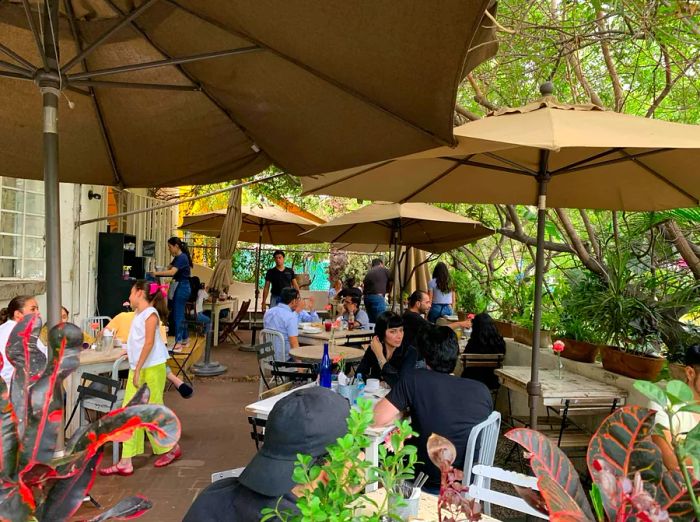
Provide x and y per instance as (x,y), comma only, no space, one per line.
(116,470)
(169,457)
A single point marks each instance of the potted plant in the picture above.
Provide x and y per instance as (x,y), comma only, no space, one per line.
(470,298)
(522,331)
(36,485)
(630,481)
(575,333)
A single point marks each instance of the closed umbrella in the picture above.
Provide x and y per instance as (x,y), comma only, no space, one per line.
(174,92)
(545,153)
(409,224)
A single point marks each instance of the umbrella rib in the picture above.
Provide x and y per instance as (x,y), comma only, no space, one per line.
(512,163)
(613,161)
(561,170)
(189,76)
(16,68)
(318,75)
(37,38)
(93,96)
(434,180)
(107,34)
(19,59)
(635,159)
(15,76)
(133,85)
(350,176)
(162,63)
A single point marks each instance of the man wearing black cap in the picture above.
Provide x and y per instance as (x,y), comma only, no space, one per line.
(306,421)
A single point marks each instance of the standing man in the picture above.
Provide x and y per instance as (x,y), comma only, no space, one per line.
(377,283)
(278,277)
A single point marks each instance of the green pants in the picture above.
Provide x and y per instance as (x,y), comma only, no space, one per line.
(155,378)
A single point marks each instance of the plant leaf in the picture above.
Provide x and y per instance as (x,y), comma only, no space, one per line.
(9,436)
(12,505)
(127,508)
(67,495)
(651,391)
(560,504)
(142,396)
(548,459)
(680,391)
(45,415)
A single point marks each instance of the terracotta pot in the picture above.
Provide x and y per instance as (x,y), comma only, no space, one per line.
(524,335)
(462,316)
(629,364)
(677,371)
(581,351)
(504,328)
(521,335)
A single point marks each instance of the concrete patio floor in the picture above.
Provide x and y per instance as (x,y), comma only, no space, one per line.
(215,437)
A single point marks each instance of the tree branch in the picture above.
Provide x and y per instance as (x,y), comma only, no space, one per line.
(471,116)
(572,58)
(609,64)
(583,254)
(672,232)
(592,236)
(670,82)
(479,95)
(531,241)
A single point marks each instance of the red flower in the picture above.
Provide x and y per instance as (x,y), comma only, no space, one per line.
(95,326)
(558,346)
(470,316)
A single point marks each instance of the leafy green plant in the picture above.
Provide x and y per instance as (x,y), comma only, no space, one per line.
(630,480)
(35,485)
(470,296)
(338,495)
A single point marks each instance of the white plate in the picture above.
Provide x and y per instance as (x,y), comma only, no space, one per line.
(311,330)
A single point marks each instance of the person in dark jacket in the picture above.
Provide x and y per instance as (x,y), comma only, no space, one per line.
(484,339)
(387,357)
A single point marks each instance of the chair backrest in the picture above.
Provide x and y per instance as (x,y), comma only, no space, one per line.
(277,340)
(484,436)
(266,356)
(241,313)
(102,320)
(482,360)
(359,340)
(257,430)
(229,473)
(277,390)
(481,490)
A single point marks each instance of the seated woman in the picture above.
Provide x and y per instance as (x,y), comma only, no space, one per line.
(484,339)
(683,421)
(387,359)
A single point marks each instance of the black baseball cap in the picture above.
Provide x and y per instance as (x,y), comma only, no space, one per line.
(306,421)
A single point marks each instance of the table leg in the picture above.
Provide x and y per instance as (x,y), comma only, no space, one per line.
(372,455)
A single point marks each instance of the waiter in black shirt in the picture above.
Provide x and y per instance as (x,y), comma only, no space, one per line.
(278,277)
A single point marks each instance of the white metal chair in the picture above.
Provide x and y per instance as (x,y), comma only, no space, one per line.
(484,436)
(102,320)
(229,473)
(277,339)
(481,491)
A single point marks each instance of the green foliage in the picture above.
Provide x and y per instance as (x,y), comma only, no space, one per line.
(470,297)
(338,496)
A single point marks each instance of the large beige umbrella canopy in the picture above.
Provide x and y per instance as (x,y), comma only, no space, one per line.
(409,224)
(174,92)
(545,153)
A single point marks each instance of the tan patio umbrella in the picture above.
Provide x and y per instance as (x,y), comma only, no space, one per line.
(545,153)
(417,274)
(174,92)
(230,234)
(410,224)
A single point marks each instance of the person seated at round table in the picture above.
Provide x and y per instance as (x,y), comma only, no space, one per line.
(387,358)
(350,290)
(305,311)
(351,305)
(484,339)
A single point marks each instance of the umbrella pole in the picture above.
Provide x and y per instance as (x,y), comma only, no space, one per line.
(534,388)
(397,277)
(49,85)
(254,334)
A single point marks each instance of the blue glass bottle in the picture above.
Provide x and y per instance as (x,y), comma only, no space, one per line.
(325,370)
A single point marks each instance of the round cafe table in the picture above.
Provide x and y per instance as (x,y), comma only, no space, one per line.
(314,353)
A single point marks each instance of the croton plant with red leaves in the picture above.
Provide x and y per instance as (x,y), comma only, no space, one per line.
(34,484)
(630,479)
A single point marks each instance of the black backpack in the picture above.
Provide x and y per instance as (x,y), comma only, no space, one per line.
(195,285)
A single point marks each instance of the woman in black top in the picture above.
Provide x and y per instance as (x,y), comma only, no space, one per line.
(484,339)
(386,358)
(180,270)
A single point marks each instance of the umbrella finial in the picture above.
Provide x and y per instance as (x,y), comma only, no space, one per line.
(547,89)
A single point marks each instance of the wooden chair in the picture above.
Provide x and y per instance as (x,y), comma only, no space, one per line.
(487,362)
(277,390)
(181,362)
(227,328)
(359,340)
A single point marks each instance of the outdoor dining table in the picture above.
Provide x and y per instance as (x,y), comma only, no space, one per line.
(261,409)
(95,362)
(216,307)
(315,337)
(314,353)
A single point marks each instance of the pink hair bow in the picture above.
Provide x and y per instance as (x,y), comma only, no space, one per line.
(154,287)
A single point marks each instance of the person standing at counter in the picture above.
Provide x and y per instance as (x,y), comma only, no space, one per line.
(180,270)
